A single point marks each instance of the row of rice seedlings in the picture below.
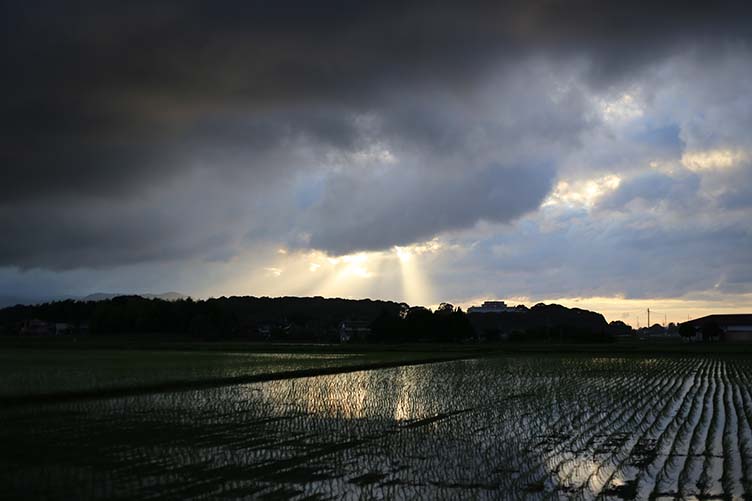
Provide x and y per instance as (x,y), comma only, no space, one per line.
(743,405)
(651,425)
(693,466)
(642,466)
(554,484)
(581,432)
(565,415)
(569,430)
(662,475)
(623,421)
(732,474)
(709,482)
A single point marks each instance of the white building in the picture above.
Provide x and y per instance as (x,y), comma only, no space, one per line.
(63,328)
(493,307)
(354,330)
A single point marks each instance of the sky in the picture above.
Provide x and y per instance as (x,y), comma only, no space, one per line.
(594,154)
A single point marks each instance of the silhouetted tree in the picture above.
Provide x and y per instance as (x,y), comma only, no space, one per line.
(687,330)
(388,327)
(619,328)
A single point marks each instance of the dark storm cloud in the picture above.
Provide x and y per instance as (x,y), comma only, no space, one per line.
(108,104)
(96,89)
(380,218)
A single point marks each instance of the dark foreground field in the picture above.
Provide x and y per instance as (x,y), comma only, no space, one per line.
(508,426)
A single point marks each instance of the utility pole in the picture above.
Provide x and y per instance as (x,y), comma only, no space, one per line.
(648,318)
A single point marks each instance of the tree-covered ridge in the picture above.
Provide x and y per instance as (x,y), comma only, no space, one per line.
(314,319)
(215,317)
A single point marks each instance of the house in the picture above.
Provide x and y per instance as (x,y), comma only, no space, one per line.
(354,330)
(264,332)
(62,328)
(732,328)
(36,327)
(275,330)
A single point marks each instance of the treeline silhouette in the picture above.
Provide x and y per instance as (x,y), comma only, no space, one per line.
(543,323)
(313,319)
(446,324)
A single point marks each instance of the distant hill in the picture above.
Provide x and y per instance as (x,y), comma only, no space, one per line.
(8,300)
(304,319)
(14,300)
(542,321)
(102,296)
(312,318)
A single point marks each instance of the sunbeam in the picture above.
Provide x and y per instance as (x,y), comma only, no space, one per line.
(415,288)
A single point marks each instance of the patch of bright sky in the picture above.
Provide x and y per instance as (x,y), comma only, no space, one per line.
(625,107)
(272,271)
(713,159)
(666,167)
(395,274)
(583,193)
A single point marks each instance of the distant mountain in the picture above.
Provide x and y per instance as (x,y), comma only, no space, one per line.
(102,296)
(7,300)
(14,300)
(167,296)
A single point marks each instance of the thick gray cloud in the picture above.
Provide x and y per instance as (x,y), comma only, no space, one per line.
(654,189)
(398,209)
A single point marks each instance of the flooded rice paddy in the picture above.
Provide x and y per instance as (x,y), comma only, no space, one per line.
(509,428)
(35,372)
